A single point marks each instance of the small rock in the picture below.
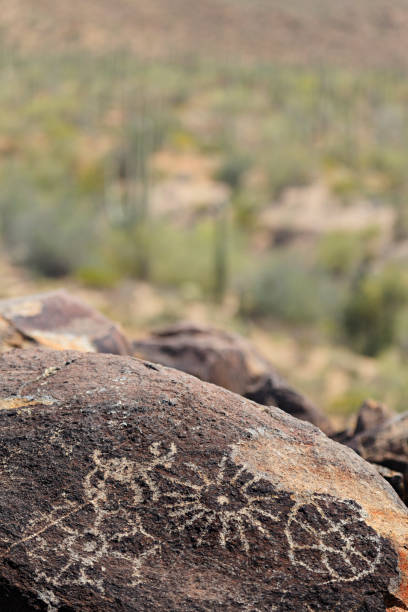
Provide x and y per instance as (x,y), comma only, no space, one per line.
(385,444)
(58,321)
(371,414)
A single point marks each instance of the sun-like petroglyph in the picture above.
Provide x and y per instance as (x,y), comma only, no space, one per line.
(333,548)
(230,503)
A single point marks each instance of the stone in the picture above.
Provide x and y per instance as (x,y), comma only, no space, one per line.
(396,480)
(381,437)
(385,444)
(371,414)
(125,485)
(229,361)
(58,321)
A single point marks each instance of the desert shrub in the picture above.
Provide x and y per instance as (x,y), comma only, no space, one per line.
(341,253)
(370,316)
(245,210)
(233,169)
(290,290)
(185,256)
(391,165)
(49,239)
(289,167)
(98,276)
(49,229)
(346,186)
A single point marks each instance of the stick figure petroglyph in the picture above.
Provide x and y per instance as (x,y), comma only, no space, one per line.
(102,532)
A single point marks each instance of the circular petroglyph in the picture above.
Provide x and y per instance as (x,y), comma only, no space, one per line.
(331,540)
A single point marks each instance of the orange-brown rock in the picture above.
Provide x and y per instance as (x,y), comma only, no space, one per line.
(229,361)
(129,486)
(58,321)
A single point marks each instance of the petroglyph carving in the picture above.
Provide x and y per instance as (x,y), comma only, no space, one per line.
(105,530)
(338,550)
(231,503)
(131,510)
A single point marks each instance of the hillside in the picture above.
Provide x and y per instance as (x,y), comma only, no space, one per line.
(252,176)
(367,33)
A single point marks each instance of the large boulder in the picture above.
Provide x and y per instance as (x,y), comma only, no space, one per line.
(229,361)
(129,486)
(59,321)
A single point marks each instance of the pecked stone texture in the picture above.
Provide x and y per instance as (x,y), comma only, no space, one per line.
(229,361)
(58,321)
(130,486)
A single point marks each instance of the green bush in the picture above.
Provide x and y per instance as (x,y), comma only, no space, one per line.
(52,238)
(289,290)
(341,252)
(289,167)
(233,169)
(98,276)
(370,316)
(184,256)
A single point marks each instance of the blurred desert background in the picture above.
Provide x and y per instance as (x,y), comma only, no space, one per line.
(239,163)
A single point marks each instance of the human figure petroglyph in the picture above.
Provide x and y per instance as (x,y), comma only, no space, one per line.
(82,551)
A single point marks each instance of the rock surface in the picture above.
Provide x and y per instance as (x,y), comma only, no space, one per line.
(59,321)
(229,361)
(129,486)
(385,444)
(380,436)
(371,415)
(396,480)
